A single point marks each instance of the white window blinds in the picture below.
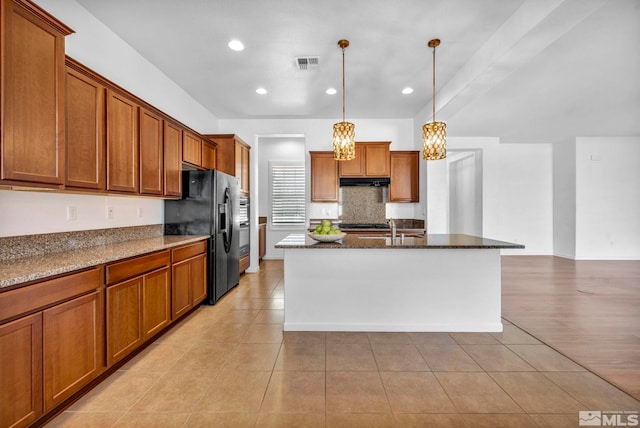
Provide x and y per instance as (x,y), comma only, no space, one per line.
(287,194)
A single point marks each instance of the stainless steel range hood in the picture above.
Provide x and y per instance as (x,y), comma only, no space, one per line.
(365,181)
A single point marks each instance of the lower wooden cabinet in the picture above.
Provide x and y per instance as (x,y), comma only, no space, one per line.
(262,241)
(73,342)
(21,371)
(189,278)
(47,356)
(138,299)
(245,261)
(124,319)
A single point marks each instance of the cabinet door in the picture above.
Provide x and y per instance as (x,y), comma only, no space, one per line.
(85,143)
(324,177)
(377,160)
(405,176)
(156,301)
(246,167)
(354,167)
(180,288)
(73,347)
(208,156)
(172,160)
(191,149)
(122,143)
(151,156)
(32,95)
(124,319)
(262,241)
(199,278)
(21,371)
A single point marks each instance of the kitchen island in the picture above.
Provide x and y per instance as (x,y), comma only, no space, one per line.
(375,283)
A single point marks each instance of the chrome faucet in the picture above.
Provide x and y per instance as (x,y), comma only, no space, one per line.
(392,225)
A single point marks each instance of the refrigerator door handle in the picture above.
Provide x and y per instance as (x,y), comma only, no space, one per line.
(228,233)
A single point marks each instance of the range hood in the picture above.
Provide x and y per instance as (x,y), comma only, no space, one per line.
(365,181)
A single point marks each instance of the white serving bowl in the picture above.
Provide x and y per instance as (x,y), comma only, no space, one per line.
(327,238)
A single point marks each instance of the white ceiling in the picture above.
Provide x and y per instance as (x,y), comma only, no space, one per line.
(509,68)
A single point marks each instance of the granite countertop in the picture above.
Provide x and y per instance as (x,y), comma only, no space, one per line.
(431,241)
(17,271)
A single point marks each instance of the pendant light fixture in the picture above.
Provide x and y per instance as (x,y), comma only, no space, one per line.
(434,134)
(344,135)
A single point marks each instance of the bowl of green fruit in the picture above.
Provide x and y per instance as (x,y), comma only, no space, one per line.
(327,232)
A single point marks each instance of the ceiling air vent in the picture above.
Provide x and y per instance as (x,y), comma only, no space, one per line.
(307,62)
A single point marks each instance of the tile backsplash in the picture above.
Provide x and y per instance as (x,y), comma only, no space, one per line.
(363,204)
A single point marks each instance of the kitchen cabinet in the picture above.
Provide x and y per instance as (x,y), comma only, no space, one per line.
(233,158)
(73,347)
(55,350)
(191,148)
(85,129)
(372,160)
(122,143)
(32,95)
(189,277)
(21,371)
(151,152)
(172,159)
(245,261)
(262,240)
(324,177)
(405,176)
(138,296)
(208,155)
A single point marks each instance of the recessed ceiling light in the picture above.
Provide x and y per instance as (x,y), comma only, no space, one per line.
(261,91)
(407,90)
(236,45)
(331,91)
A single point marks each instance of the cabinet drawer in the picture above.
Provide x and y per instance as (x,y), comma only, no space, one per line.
(133,267)
(188,251)
(42,294)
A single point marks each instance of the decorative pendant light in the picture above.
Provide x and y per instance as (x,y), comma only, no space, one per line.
(344,135)
(434,134)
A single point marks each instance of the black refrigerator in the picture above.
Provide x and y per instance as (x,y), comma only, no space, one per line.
(210,206)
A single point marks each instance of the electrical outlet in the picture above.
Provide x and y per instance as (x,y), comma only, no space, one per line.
(140,212)
(110,212)
(72,213)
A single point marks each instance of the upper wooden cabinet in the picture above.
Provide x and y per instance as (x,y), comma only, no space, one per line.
(122,143)
(151,153)
(209,152)
(32,74)
(324,177)
(85,142)
(372,160)
(233,158)
(172,159)
(405,176)
(191,148)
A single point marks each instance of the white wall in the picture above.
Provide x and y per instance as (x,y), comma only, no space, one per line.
(607,198)
(564,198)
(288,149)
(516,189)
(97,47)
(26,213)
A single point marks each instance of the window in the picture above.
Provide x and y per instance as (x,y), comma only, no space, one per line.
(287,194)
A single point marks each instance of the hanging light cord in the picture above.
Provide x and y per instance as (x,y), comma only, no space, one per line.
(434,84)
(343,91)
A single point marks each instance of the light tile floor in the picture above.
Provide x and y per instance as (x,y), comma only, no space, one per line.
(231,365)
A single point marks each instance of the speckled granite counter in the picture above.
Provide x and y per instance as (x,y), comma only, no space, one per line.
(432,241)
(26,269)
